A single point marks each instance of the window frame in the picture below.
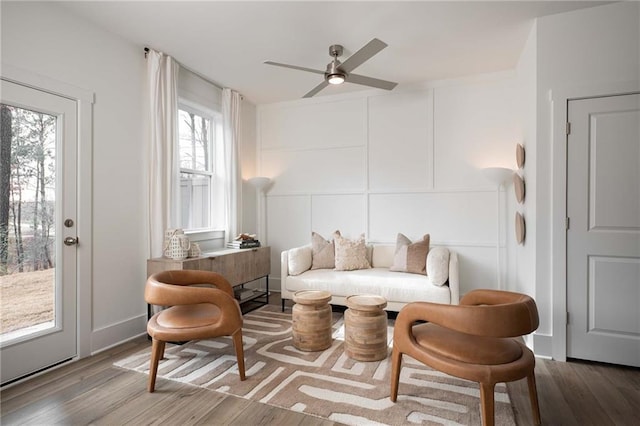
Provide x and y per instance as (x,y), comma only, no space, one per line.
(215,117)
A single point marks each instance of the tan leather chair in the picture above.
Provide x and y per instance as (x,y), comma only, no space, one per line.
(473,341)
(195,313)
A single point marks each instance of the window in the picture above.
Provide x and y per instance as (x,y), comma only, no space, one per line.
(199,131)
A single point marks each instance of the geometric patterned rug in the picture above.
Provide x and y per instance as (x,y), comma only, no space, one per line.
(326,384)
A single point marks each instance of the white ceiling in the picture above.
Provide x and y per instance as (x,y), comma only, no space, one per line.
(227,42)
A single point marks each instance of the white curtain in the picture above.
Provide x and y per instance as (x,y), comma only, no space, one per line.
(162,72)
(231,122)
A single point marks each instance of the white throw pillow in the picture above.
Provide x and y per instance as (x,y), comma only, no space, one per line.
(438,265)
(299,260)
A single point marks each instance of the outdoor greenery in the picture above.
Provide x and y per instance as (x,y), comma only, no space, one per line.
(27,190)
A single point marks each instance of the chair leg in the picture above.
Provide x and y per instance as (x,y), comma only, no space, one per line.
(237,344)
(157,351)
(396,364)
(487,404)
(533,397)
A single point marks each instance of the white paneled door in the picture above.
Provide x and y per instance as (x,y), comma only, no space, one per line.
(38,241)
(603,236)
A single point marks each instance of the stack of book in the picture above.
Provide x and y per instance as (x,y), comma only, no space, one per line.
(243,293)
(244,241)
(243,244)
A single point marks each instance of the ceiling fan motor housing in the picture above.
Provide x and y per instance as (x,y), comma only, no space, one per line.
(333,74)
(336,50)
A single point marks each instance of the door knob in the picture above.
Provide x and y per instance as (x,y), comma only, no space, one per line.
(70,241)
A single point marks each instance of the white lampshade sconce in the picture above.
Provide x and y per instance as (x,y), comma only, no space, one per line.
(498,175)
(260,182)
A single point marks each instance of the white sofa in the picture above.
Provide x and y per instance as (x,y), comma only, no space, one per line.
(399,288)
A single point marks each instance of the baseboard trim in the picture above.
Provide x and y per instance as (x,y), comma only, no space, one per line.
(275,284)
(115,334)
(543,345)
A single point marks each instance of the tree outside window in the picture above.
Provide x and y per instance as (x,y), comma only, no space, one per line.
(197,135)
(27,197)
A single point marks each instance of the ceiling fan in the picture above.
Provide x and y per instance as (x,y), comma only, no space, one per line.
(338,72)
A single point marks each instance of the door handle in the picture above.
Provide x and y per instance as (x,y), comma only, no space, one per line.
(70,241)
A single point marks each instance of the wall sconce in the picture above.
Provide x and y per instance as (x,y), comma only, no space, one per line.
(261,184)
(499,176)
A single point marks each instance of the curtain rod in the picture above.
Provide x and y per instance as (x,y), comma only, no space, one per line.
(146,52)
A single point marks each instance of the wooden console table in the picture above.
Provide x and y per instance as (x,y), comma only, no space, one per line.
(238,266)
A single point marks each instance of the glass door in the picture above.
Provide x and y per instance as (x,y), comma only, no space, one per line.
(38,145)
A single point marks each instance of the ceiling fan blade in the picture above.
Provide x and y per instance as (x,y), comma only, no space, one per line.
(370,81)
(295,67)
(316,89)
(362,55)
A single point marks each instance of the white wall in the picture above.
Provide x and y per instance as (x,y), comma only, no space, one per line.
(247,153)
(524,254)
(521,258)
(577,51)
(382,163)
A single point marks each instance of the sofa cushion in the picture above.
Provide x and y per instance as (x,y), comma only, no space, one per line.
(382,256)
(411,257)
(350,254)
(299,260)
(394,286)
(438,265)
(322,252)
(370,254)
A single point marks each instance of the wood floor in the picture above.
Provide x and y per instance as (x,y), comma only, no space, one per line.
(93,391)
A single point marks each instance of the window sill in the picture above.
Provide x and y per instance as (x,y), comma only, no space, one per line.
(198,235)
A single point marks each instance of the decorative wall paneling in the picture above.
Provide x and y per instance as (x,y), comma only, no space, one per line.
(450,217)
(401,142)
(382,164)
(475,127)
(347,212)
(321,213)
(318,125)
(315,170)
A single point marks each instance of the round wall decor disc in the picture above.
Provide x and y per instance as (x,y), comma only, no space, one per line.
(518,187)
(520,155)
(520,228)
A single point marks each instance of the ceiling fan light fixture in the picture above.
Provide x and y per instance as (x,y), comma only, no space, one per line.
(335,78)
(334,75)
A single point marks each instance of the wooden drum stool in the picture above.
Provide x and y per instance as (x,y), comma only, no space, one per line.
(365,328)
(311,320)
